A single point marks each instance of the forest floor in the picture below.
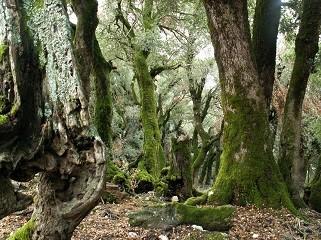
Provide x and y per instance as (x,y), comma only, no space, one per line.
(110,221)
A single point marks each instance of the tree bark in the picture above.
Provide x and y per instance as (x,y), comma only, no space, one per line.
(181,166)
(153,152)
(48,119)
(265,33)
(248,173)
(10,199)
(154,159)
(306,47)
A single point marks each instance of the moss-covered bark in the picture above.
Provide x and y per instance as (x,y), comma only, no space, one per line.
(291,162)
(248,173)
(154,158)
(153,153)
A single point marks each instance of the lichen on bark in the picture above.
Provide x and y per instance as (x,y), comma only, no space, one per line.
(55,135)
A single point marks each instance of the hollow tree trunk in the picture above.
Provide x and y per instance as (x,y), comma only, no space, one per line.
(50,128)
(291,162)
(248,173)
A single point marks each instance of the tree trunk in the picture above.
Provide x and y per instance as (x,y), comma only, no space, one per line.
(265,33)
(153,152)
(306,47)
(181,166)
(10,199)
(248,173)
(48,119)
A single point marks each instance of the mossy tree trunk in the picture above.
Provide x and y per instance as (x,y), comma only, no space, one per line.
(291,161)
(93,66)
(153,152)
(153,160)
(50,128)
(248,173)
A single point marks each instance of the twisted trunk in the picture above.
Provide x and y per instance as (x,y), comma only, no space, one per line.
(48,120)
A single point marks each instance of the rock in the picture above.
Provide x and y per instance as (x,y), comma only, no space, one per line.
(196,227)
(133,235)
(255,235)
(163,237)
(174,199)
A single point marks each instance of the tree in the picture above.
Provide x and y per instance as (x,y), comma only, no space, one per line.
(153,152)
(291,162)
(248,173)
(45,126)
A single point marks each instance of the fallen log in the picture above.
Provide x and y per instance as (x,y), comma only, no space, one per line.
(170,215)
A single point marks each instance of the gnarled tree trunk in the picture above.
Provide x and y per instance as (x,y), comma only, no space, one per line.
(48,128)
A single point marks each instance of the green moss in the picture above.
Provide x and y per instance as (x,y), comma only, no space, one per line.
(218,218)
(144,182)
(4,119)
(14,110)
(193,201)
(109,197)
(153,153)
(103,105)
(39,4)
(143,175)
(3,48)
(161,188)
(248,172)
(115,175)
(165,216)
(25,232)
